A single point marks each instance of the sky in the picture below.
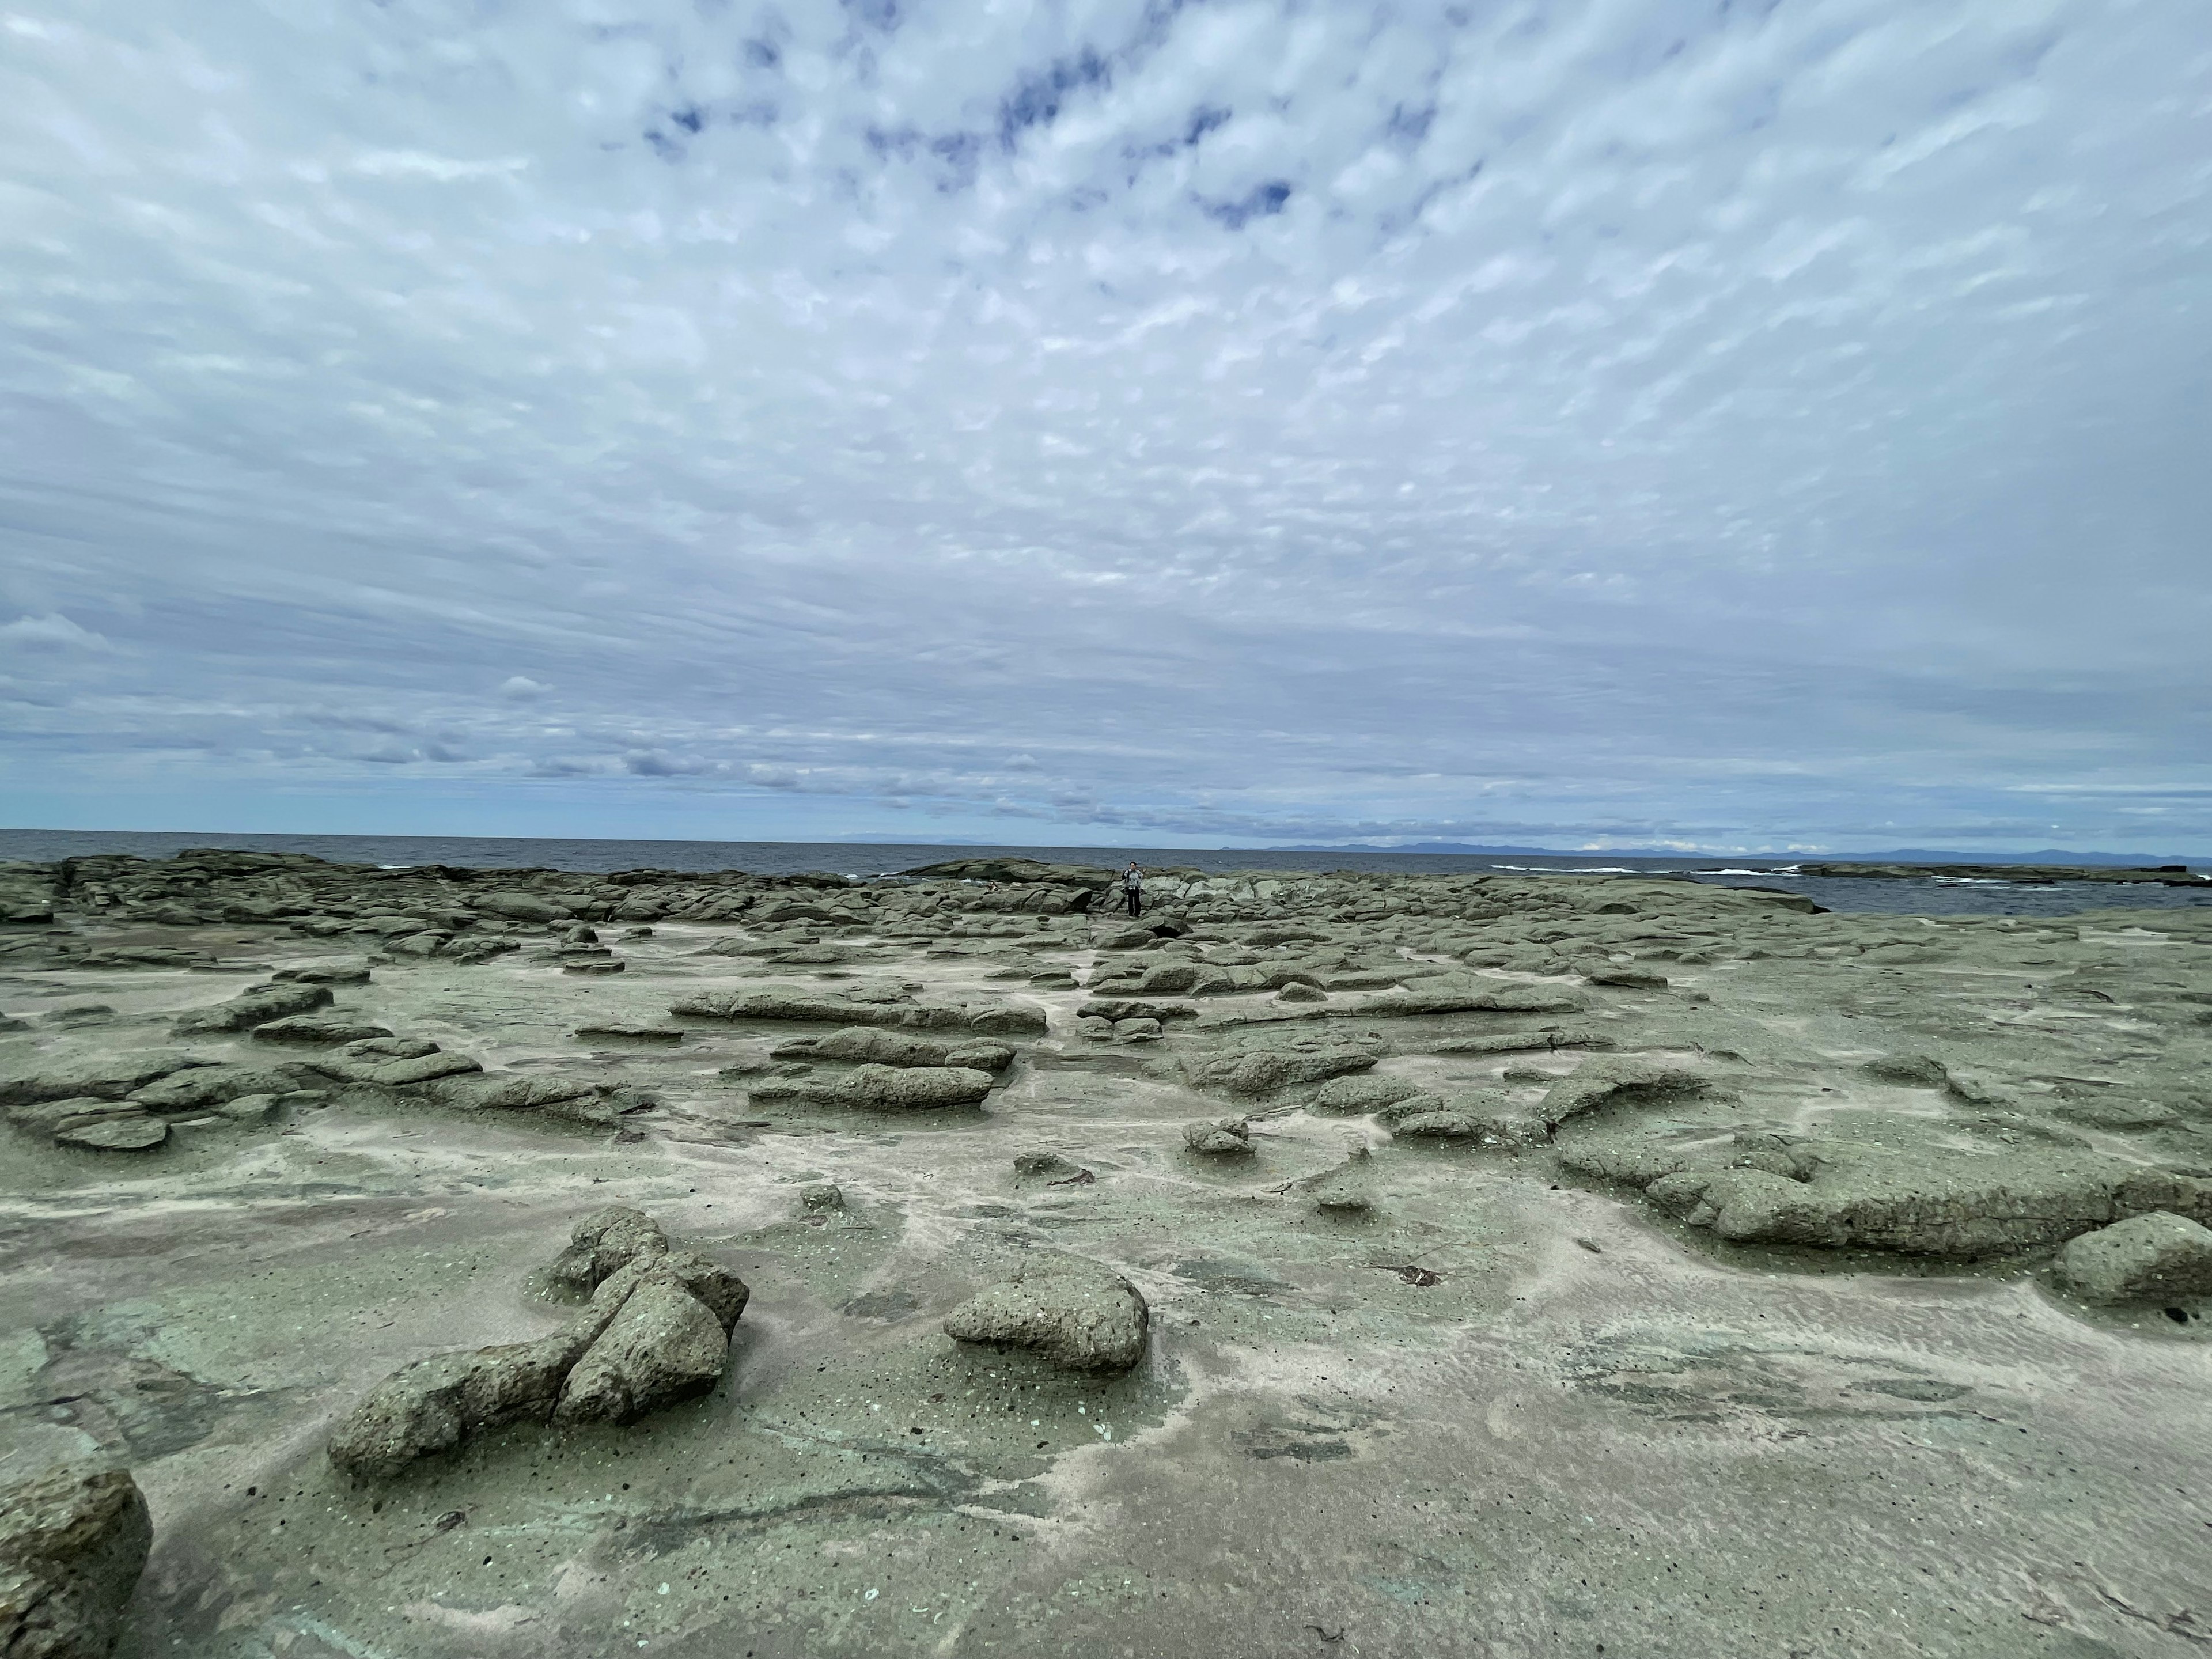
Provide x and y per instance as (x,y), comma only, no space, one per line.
(1751,425)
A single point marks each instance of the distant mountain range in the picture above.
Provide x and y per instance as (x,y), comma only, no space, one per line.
(1895,855)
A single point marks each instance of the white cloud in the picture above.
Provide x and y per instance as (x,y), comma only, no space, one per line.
(1667,420)
(51,632)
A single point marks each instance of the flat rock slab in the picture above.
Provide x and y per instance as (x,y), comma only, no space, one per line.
(114,1132)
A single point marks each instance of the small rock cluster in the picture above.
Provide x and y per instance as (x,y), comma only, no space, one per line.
(656,1330)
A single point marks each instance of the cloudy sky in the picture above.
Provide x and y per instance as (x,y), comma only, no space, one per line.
(1732,423)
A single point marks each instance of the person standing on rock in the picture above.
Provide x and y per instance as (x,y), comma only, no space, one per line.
(1133,889)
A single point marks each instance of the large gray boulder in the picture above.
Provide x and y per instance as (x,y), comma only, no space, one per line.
(73,1540)
(1079,1314)
(2146,1258)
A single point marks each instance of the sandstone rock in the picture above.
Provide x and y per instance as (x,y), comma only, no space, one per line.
(44,1116)
(602,1245)
(685,1309)
(73,1540)
(666,1345)
(2147,1258)
(887,1088)
(1301,991)
(1262,1069)
(1347,1190)
(106,1077)
(1602,1081)
(667,1034)
(1362,1094)
(114,1131)
(210,1085)
(1076,1314)
(520,907)
(1116,1009)
(1491,997)
(342,970)
(824,1198)
(1933,1201)
(317,1032)
(1044,1166)
(1217,1137)
(434,1404)
(255,1006)
(78,1014)
(506,1091)
(1136,1031)
(889,1047)
(1441,1124)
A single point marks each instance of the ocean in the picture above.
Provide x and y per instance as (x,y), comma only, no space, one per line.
(1938,896)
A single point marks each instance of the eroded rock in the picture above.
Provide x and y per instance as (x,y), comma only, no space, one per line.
(73,1540)
(1077,1314)
(2146,1258)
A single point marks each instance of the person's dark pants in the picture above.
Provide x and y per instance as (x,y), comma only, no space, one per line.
(1136,897)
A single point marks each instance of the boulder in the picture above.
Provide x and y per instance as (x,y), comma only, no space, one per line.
(1076,1313)
(664,1318)
(1301,991)
(520,907)
(602,1245)
(73,1540)
(1219,1137)
(2146,1258)
(434,1404)
(666,1345)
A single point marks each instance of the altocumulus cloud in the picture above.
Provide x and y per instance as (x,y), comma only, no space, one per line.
(1588,421)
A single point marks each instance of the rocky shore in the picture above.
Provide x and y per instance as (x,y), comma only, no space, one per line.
(485,1262)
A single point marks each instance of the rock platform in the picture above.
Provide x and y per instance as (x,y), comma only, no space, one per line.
(1495,1264)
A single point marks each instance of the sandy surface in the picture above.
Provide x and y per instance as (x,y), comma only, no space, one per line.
(1601,1429)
